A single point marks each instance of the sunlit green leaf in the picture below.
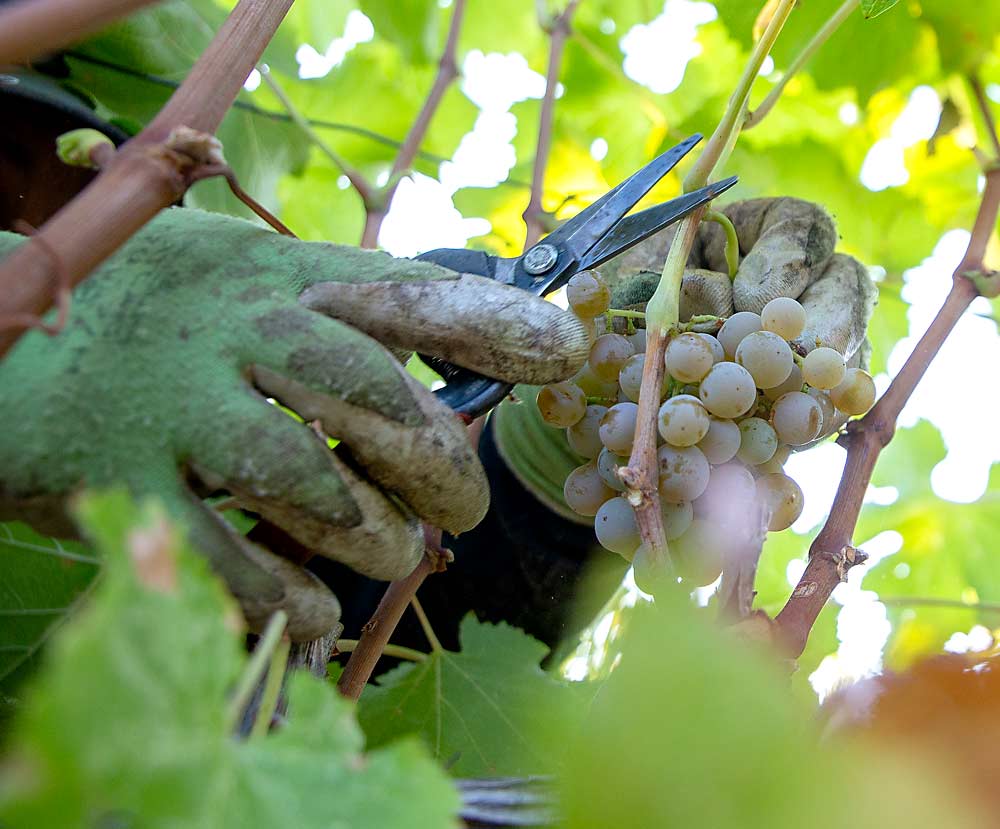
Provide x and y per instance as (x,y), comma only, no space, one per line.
(41,579)
(489,710)
(873,8)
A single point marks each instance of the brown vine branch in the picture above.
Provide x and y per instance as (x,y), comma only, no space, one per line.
(376,633)
(831,554)
(534,213)
(29,28)
(148,174)
(984,109)
(377,206)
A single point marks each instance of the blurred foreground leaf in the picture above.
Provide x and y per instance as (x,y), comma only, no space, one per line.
(692,729)
(127,723)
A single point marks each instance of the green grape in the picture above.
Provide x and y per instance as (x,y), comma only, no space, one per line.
(594,386)
(638,340)
(652,573)
(728,390)
(784,316)
(608,354)
(718,352)
(616,527)
(608,464)
(721,441)
(767,357)
(682,420)
(584,436)
(630,377)
(561,404)
(688,358)
(585,490)
(677,516)
(698,554)
(618,427)
(776,462)
(797,418)
(588,294)
(855,394)
(826,407)
(735,329)
(758,441)
(782,500)
(729,494)
(793,383)
(684,472)
(823,368)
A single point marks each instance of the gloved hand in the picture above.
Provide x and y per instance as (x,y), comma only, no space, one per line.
(171,349)
(786,249)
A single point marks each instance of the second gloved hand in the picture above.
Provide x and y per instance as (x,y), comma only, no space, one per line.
(162,375)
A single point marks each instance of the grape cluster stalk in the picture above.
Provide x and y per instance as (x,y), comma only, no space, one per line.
(740,394)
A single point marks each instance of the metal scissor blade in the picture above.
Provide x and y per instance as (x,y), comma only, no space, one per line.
(633,229)
(590,225)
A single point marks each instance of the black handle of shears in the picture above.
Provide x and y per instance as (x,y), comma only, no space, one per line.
(466,392)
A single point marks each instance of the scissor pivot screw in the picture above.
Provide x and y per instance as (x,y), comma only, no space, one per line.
(540,259)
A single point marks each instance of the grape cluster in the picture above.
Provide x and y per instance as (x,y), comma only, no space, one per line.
(734,404)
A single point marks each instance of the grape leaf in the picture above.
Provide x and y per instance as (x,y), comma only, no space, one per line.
(127,722)
(873,8)
(695,729)
(489,710)
(947,549)
(41,579)
(411,25)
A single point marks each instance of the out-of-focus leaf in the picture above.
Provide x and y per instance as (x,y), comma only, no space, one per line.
(489,710)
(411,25)
(873,8)
(963,692)
(41,579)
(864,54)
(670,736)
(128,722)
(947,551)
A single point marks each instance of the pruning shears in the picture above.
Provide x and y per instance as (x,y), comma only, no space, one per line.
(596,234)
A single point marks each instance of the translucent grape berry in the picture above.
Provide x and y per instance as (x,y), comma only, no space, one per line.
(608,354)
(728,390)
(617,428)
(585,490)
(855,394)
(784,316)
(683,420)
(561,404)
(616,527)
(688,358)
(767,357)
(823,368)
(588,294)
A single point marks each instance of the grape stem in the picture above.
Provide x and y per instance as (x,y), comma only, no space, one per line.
(663,310)
(830,555)
(839,16)
(377,204)
(558,29)
(732,241)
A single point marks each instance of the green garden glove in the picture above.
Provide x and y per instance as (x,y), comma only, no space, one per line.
(161,378)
